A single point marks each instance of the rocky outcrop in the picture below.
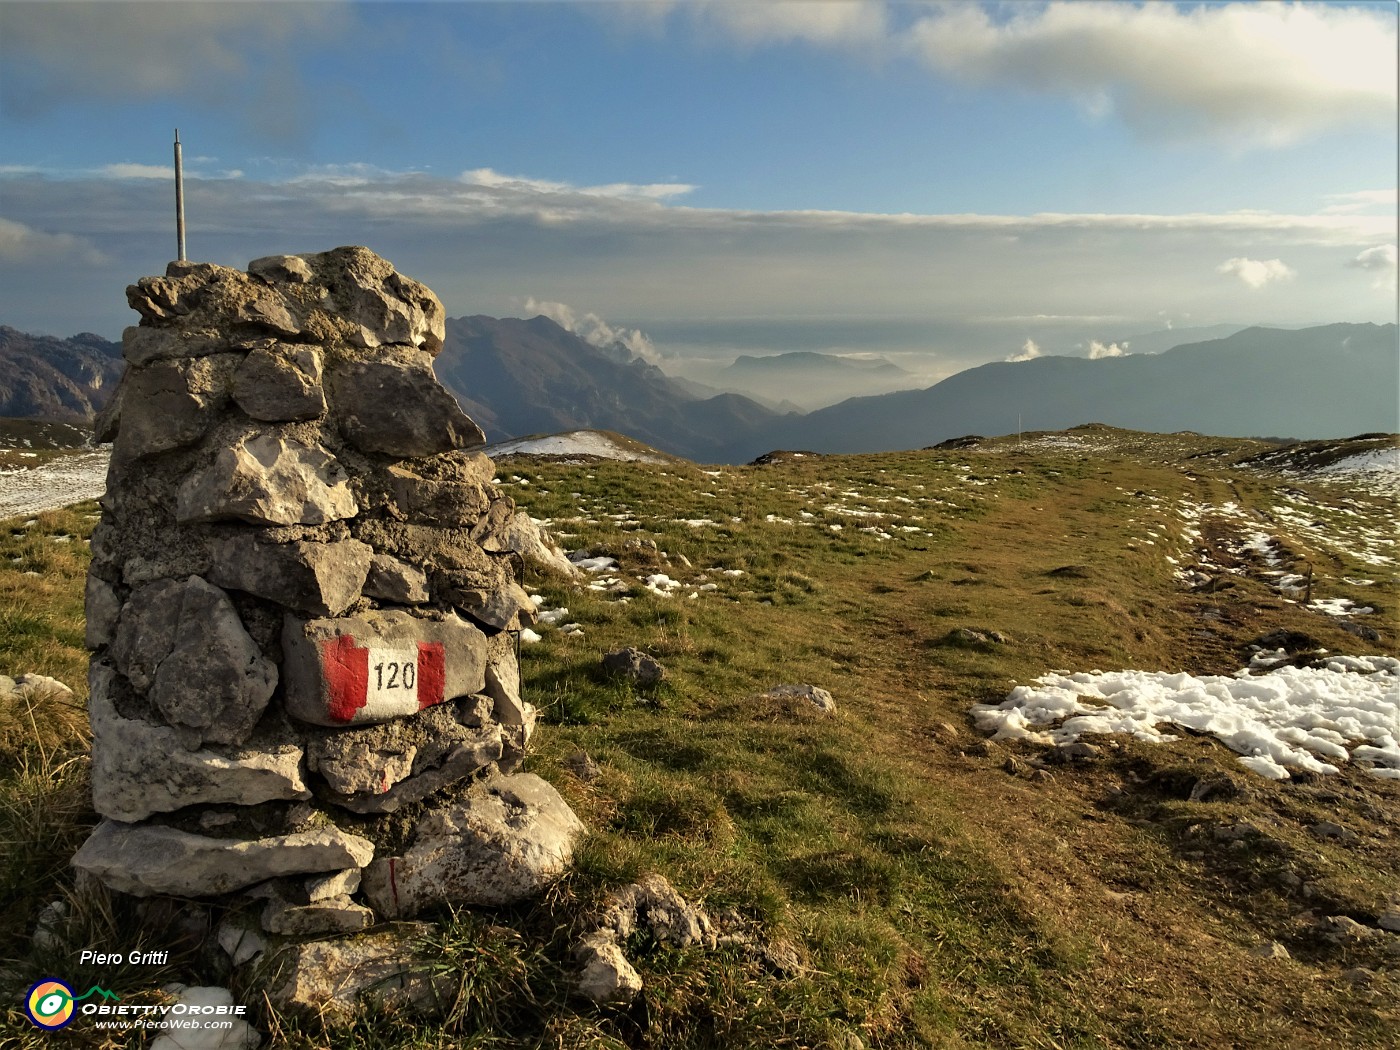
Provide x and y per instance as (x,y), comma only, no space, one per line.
(300,607)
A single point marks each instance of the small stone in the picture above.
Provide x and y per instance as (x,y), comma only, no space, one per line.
(1014,766)
(1345,930)
(52,918)
(606,976)
(461,762)
(147,859)
(534,544)
(1358,976)
(1272,950)
(396,407)
(983,749)
(1328,829)
(1040,776)
(819,697)
(505,608)
(1236,832)
(1390,920)
(336,884)
(268,480)
(280,383)
(318,578)
(582,766)
(330,915)
(635,665)
(1078,749)
(505,843)
(281,269)
(242,943)
(394,580)
(103,608)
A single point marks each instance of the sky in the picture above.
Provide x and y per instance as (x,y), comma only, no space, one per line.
(940,184)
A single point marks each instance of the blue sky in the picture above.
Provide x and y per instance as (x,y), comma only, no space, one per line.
(944,183)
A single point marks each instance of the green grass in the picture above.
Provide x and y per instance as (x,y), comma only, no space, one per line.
(935,900)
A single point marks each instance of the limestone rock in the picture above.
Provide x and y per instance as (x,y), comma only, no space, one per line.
(268,480)
(281,269)
(652,902)
(818,696)
(505,843)
(380,305)
(379,665)
(440,501)
(332,975)
(103,608)
(231,1033)
(395,406)
(634,665)
(241,943)
(280,383)
(394,580)
(318,578)
(607,976)
(534,544)
(169,404)
(148,859)
(581,765)
(507,607)
(139,769)
(461,762)
(1272,950)
(185,645)
(1390,920)
(338,884)
(326,916)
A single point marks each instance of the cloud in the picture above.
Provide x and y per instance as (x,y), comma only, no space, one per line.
(1098,350)
(24,245)
(208,54)
(1268,73)
(594,330)
(1257,272)
(1380,260)
(490,179)
(137,171)
(1029,352)
(1360,200)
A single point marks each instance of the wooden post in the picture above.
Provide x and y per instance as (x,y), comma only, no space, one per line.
(179,198)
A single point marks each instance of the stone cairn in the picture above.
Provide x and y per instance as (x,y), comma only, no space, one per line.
(304,680)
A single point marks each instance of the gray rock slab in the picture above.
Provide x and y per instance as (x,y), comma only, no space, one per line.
(378,666)
(268,480)
(281,269)
(103,608)
(606,975)
(147,859)
(327,916)
(819,697)
(462,761)
(139,768)
(337,884)
(167,405)
(505,607)
(396,407)
(634,665)
(395,580)
(534,544)
(145,631)
(214,681)
(318,578)
(438,501)
(505,843)
(280,383)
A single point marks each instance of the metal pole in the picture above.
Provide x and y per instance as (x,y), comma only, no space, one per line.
(179,197)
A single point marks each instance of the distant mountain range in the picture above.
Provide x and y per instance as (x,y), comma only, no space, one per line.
(811,378)
(68,380)
(1329,381)
(519,377)
(526,377)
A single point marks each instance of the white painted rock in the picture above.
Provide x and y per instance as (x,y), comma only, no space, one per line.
(381,665)
(145,859)
(505,843)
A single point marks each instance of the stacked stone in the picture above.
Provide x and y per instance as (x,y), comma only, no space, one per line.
(301,598)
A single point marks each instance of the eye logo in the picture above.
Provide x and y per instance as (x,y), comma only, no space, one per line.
(50,1005)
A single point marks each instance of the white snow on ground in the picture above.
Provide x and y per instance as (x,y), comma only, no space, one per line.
(1290,718)
(63,481)
(1377,471)
(575,443)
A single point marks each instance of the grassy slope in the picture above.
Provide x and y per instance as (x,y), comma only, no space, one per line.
(936,898)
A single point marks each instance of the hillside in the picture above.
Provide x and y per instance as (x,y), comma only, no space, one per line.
(886,875)
(69,380)
(1323,382)
(517,377)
